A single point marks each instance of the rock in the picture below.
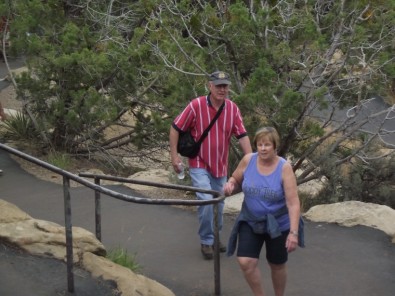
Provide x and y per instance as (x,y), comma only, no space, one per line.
(10,213)
(16,72)
(10,112)
(159,176)
(155,175)
(233,203)
(312,188)
(97,172)
(128,282)
(48,239)
(45,238)
(351,213)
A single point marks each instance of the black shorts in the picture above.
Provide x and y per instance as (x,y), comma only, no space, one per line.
(250,245)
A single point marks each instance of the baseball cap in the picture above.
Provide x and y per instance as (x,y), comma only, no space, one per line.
(219,77)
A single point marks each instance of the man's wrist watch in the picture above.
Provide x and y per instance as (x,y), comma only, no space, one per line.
(293,232)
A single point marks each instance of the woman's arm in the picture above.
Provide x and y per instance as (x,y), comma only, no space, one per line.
(293,205)
(233,185)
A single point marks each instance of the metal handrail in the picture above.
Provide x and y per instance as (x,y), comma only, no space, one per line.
(67,176)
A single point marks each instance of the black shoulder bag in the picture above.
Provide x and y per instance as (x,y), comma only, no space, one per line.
(187,146)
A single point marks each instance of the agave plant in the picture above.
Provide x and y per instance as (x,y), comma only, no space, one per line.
(19,127)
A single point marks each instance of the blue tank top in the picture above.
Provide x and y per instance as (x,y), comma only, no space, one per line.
(264,194)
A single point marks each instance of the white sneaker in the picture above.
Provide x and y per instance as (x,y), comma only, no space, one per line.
(1,172)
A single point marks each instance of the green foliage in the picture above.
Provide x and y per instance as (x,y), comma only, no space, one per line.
(19,127)
(60,160)
(368,182)
(65,84)
(313,128)
(150,58)
(120,256)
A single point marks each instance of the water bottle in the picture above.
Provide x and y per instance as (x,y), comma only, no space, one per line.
(181,174)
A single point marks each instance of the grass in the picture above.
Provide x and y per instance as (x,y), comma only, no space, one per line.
(120,256)
(60,160)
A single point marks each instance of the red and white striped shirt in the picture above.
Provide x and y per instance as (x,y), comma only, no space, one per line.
(214,151)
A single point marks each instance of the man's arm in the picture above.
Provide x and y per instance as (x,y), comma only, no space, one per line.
(245,144)
(173,140)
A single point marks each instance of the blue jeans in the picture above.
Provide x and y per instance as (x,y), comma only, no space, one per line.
(201,178)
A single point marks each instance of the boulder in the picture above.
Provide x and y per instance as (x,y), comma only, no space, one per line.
(45,238)
(233,203)
(351,213)
(10,213)
(153,175)
(127,281)
(48,239)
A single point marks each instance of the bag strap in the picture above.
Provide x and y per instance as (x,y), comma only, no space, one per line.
(205,133)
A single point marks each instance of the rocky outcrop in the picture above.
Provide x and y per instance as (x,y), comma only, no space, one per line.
(45,238)
(351,213)
(127,281)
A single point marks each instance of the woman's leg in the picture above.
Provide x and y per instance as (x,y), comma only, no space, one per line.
(279,278)
(248,250)
(277,256)
(252,274)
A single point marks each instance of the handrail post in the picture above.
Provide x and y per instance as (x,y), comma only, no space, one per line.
(97,211)
(217,271)
(69,234)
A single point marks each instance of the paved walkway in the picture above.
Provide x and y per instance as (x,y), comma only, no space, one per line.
(24,275)
(337,261)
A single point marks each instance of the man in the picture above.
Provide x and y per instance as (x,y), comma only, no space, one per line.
(208,170)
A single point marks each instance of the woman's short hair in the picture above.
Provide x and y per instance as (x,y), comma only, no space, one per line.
(269,132)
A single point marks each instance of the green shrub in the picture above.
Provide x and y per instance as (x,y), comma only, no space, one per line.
(19,127)
(362,181)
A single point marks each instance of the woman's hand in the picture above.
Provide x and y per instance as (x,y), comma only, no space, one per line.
(229,187)
(291,243)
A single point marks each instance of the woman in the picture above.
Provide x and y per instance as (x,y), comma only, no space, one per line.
(270,212)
